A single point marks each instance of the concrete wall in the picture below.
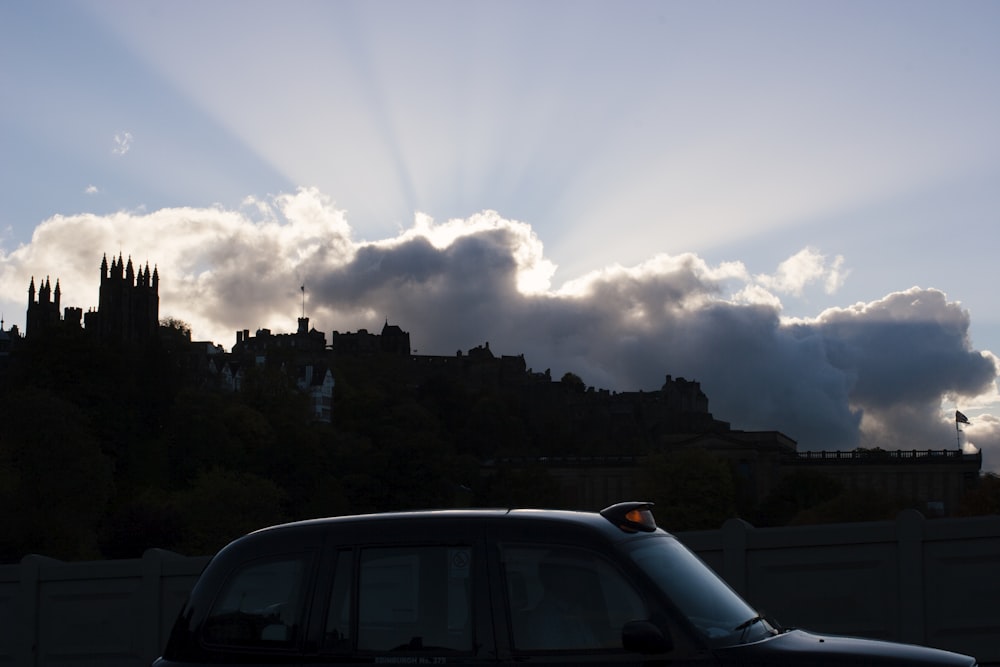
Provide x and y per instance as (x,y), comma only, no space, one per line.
(933,582)
(86,614)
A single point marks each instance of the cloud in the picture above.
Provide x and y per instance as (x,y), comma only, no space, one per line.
(122,143)
(871,374)
(91,190)
(805,267)
(984,434)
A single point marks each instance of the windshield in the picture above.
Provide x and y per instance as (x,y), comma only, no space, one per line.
(714,609)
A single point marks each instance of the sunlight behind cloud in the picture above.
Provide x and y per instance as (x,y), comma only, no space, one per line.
(757,295)
(805,267)
(534,271)
(983,433)
(659,264)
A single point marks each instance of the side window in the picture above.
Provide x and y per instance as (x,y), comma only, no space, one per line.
(261,605)
(415,599)
(566,598)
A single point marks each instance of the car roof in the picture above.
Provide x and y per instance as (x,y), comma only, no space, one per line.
(591,520)
(472,515)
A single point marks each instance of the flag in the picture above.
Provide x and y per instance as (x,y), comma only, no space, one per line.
(960,418)
(303,288)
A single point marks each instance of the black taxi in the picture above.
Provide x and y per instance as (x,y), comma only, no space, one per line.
(475,587)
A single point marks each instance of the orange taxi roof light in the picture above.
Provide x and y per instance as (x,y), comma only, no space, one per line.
(631,516)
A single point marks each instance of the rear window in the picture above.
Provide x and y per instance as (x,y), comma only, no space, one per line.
(261,605)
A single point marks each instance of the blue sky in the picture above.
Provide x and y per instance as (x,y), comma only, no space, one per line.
(859,138)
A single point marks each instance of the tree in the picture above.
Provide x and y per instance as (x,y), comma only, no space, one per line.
(143,520)
(794,493)
(174,328)
(198,436)
(56,480)
(531,486)
(222,505)
(271,390)
(573,381)
(693,489)
(852,505)
(983,499)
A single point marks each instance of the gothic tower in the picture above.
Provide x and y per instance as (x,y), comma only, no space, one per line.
(129,303)
(43,313)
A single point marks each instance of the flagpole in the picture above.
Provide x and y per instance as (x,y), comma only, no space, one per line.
(959,419)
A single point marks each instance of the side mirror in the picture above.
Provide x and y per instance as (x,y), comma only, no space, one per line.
(645,638)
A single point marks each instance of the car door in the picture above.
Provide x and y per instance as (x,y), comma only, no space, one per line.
(565,599)
(253,605)
(407,593)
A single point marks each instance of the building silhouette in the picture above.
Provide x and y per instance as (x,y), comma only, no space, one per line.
(129,303)
(392,340)
(301,355)
(304,341)
(127,312)
(43,311)
(7,341)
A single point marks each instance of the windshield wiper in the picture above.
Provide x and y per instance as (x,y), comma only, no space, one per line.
(745,625)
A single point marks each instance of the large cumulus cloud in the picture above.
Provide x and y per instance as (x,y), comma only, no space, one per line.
(882,373)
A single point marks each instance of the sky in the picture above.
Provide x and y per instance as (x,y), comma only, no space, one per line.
(793,203)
